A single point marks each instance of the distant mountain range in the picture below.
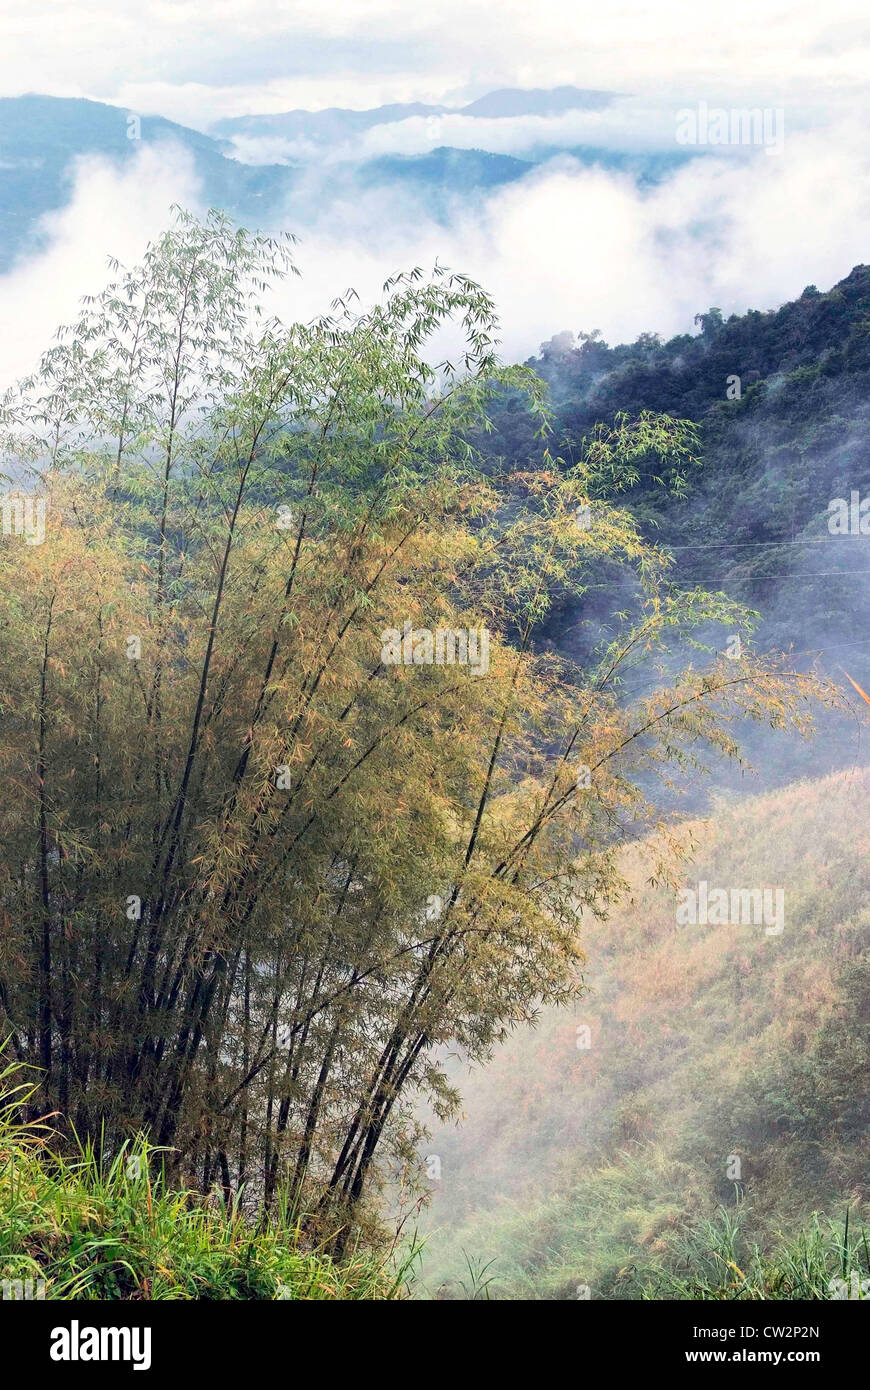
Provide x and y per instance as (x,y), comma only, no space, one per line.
(336,123)
(41,137)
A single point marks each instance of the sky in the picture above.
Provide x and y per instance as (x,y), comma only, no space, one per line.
(565,248)
(198,60)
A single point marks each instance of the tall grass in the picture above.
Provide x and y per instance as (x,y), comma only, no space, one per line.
(711,1262)
(643,1228)
(109,1227)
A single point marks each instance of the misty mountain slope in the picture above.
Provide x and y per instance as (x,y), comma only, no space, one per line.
(330,126)
(795,436)
(783,401)
(538,101)
(442,171)
(782,398)
(708,1044)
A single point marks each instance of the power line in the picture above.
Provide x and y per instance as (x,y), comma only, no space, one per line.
(732,578)
(730,545)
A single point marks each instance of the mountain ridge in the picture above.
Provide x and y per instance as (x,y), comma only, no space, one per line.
(336,121)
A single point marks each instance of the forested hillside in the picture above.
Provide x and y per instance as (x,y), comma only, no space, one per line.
(434,673)
(601,1167)
(299,803)
(782,399)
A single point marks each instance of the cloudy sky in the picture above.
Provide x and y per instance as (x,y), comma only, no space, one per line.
(566,247)
(197,60)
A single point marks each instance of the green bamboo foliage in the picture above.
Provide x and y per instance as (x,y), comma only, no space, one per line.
(254,875)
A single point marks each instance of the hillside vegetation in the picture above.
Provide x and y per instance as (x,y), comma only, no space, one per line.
(613,1166)
(781,402)
(273,844)
(275,851)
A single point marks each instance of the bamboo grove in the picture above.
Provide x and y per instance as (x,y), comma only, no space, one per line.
(255,878)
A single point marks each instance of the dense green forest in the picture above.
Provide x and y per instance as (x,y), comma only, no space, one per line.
(772,457)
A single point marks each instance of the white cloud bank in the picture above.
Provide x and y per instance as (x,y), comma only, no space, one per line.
(625,125)
(113,211)
(566,247)
(581,248)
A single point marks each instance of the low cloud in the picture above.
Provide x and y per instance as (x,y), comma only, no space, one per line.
(567,247)
(575,247)
(113,210)
(626,125)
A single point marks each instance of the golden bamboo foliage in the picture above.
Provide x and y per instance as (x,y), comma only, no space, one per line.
(262,858)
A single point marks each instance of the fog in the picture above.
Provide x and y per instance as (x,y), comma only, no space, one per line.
(566,247)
